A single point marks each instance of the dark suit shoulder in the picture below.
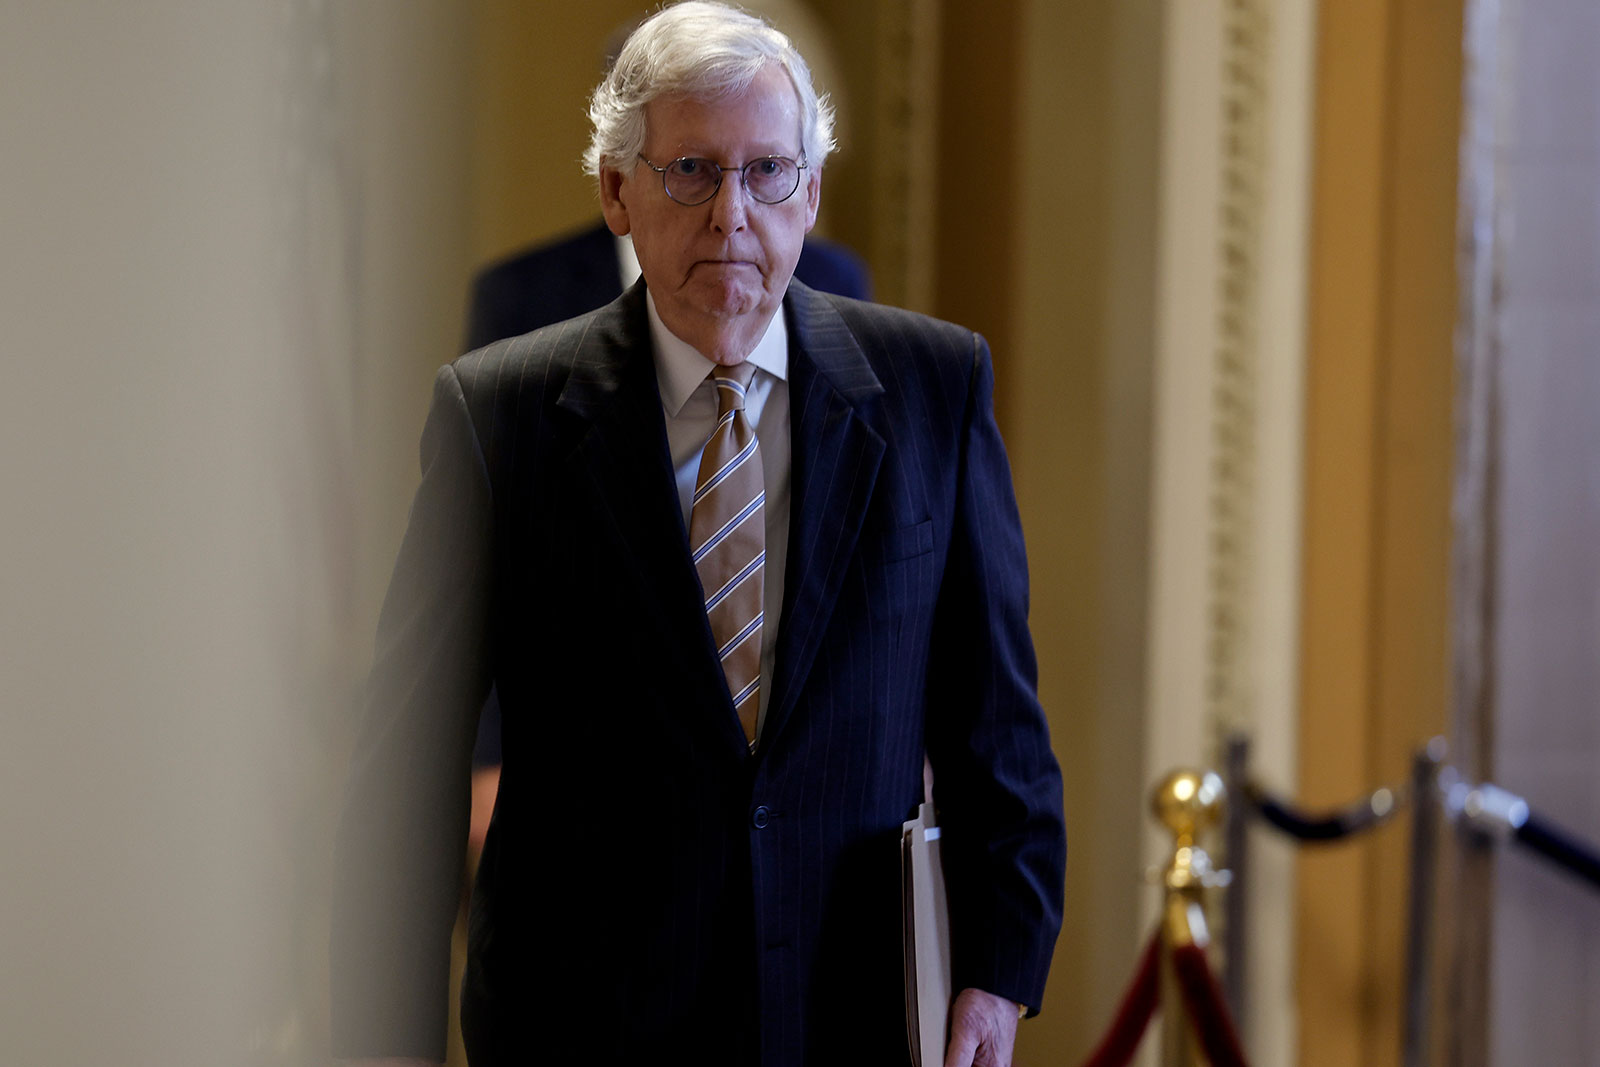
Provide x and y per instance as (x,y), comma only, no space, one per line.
(584,359)
(531,359)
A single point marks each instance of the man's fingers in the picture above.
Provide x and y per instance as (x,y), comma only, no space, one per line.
(963,1043)
(983,1029)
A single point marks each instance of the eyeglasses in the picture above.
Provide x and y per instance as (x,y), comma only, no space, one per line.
(691,181)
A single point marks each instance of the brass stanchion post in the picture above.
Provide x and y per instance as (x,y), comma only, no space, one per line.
(1187,802)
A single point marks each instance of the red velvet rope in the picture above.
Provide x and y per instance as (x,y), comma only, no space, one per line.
(1203,997)
(1133,1015)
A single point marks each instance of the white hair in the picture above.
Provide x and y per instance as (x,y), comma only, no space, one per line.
(701,50)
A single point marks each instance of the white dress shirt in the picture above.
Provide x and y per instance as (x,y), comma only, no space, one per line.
(689,400)
(627,261)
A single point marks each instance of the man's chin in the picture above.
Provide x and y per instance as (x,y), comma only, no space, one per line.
(730,304)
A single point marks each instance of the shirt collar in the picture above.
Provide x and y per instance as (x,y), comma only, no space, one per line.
(680,368)
(627,260)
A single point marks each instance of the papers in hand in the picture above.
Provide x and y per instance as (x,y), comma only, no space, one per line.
(927,939)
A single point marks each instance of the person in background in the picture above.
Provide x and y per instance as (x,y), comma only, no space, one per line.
(580,272)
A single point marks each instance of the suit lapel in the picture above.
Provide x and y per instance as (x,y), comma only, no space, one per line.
(835,458)
(621,473)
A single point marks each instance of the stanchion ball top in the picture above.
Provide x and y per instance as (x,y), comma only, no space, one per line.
(1189,801)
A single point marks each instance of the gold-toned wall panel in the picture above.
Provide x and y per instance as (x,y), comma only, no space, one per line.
(1075,391)
(533,67)
(1378,467)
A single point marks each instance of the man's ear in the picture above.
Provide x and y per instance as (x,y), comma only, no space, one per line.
(813,196)
(611,202)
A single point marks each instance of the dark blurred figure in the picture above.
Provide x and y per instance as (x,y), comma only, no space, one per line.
(563,279)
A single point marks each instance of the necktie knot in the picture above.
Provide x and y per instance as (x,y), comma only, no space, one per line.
(732,383)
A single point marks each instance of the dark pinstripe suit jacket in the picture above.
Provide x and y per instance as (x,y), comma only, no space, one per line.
(650,892)
(566,277)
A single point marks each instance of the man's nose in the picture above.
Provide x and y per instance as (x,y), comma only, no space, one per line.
(729,203)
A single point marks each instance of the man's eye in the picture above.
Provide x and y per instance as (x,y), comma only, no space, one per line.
(689,168)
(767,168)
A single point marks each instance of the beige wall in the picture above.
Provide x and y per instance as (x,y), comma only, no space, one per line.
(227,229)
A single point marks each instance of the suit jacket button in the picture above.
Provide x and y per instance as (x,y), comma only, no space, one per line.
(760,817)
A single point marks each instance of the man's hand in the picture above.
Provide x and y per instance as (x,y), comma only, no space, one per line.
(983,1029)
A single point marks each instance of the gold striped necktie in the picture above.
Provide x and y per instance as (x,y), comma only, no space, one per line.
(728,541)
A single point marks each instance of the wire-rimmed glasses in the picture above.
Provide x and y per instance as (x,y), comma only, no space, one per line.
(690,180)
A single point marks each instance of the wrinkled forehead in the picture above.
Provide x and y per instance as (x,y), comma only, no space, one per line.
(763,118)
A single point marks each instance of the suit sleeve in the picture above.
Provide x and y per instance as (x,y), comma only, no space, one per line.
(402,831)
(996,780)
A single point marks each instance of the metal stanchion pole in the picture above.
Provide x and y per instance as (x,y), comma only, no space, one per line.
(1425,812)
(1236,853)
(1187,802)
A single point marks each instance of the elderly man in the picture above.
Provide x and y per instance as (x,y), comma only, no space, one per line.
(737,555)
